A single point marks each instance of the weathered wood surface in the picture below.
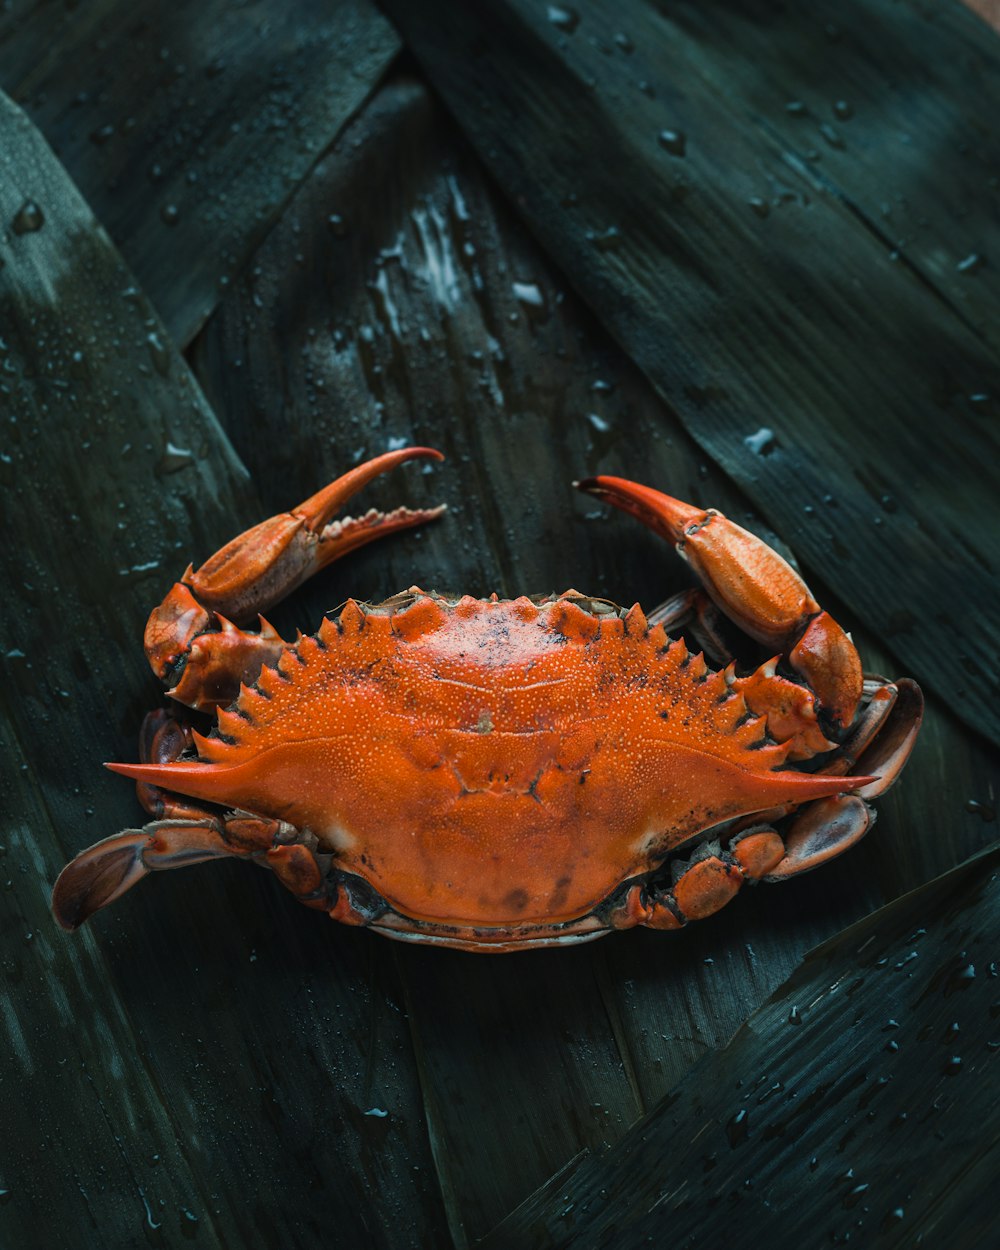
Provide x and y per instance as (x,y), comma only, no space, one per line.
(860,1103)
(188,125)
(231,1053)
(743,261)
(429,316)
(199,1069)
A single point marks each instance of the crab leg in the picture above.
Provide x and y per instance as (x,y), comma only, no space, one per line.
(693,612)
(106,870)
(162,740)
(880,742)
(194,637)
(762,594)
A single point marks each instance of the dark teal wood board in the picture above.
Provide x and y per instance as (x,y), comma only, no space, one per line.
(210,1064)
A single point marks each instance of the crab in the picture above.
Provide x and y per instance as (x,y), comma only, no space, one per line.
(502,774)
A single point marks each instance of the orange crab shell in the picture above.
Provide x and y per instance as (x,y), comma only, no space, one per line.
(492,763)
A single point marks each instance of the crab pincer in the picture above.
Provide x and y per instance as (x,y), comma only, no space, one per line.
(820,708)
(194,635)
(756,589)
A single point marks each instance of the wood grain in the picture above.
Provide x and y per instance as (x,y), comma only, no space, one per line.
(733,265)
(861,1102)
(186,1066)
(404,324)
(209,1061)
(187,126)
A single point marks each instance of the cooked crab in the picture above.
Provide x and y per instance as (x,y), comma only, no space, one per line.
(502,774)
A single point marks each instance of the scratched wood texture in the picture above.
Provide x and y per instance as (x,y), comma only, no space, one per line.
(767,249)
(187,126)
(209,1063)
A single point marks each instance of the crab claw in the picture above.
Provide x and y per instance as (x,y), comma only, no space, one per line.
(264,564)
(755,587)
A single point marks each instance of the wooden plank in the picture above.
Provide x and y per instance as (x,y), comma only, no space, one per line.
(745,286)
(202,1061)
(878,1117)
(907,141)
(188,125)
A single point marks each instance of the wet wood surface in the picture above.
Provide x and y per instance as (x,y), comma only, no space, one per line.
(209,1062)
(826,1118)
(188,126)
(774,267)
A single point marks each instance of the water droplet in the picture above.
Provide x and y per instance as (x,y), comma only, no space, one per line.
(972,263)
(563,18)
(794,1017)
(599,423)
(159,354)
(832,136)
(854,1196)
(738,1128)
(5,1196)
(873,1091)
(762,443)
(175,458)
(673,141)
(377,1112)
(530,295)
(953,1066)
(28,218)
(984,811)
(776,1088)
(336,225)
(102,134)
(843,110)
(170,214)
(606,240)
(892,1218)
(626,44)
(796,108)
(759,206)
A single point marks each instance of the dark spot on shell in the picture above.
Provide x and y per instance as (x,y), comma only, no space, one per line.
(559,892)
(516,900)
